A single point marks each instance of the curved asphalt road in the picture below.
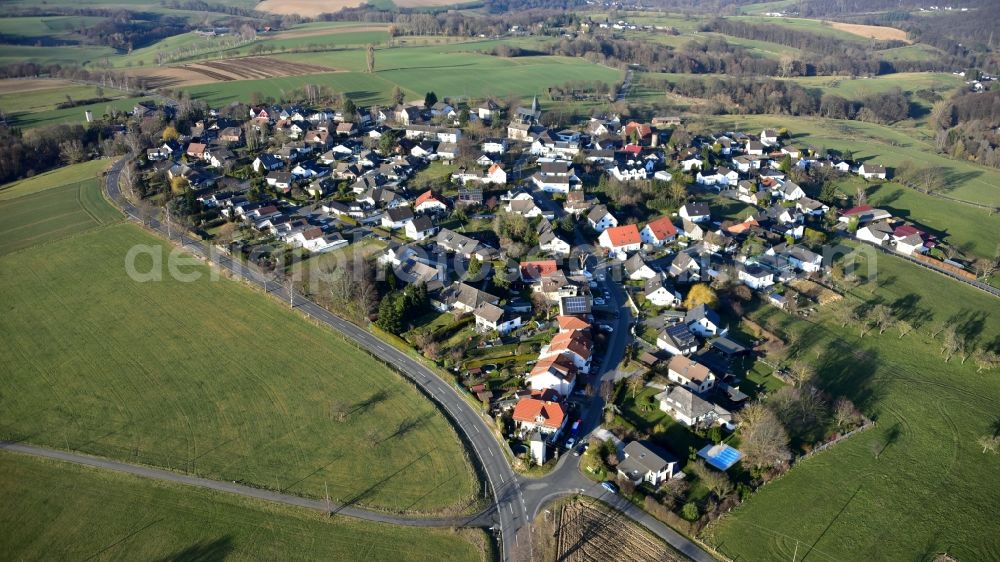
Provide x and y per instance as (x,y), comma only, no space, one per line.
(509,503)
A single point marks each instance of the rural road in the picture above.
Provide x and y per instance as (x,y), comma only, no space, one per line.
(510,511)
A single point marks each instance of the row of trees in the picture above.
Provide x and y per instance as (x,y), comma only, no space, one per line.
(967,127)
(752,96)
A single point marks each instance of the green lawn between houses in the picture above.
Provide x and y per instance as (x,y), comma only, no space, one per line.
(931,488)
(54,510)
(205,377)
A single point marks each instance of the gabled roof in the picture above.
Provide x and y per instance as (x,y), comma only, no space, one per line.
(696,209)
(689,369)
(680,335)
(577,342)
(558,366)
(642,457)
(702,312)
(537,270)
(623,235)
(662,228)
(598,213)
(569,323)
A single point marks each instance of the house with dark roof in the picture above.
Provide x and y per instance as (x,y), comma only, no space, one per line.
(643,461)
(690,409)
(677,340)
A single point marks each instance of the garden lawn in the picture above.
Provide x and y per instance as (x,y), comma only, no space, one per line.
(928,490)
(210,378)
(54,510)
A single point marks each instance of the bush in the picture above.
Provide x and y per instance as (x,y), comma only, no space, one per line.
(690,512)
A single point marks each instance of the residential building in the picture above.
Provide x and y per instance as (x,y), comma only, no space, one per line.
(692,375)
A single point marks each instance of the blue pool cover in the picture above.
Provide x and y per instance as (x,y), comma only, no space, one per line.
(720,456)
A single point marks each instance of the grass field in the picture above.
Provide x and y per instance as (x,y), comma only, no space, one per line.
(54,178)
(69,55)
(417,70)
(45,26)
(65,511)
(928,490)
(205,377)
(37,106)
(53,214)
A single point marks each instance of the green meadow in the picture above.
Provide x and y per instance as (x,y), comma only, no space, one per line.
(202,376)
(917,484)
(70,512)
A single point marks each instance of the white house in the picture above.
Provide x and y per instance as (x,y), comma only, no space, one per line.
(791,191)
(637,269)
(549,242)
(695,212)
(556,177)
(556,373)
(677,340)
(756,277)
(658,232)
(703,321)
(620,240)
(659,292)
(645,462)
(690,374)
(769,137)
(691,163)
(430,202)
(548,418)
(601,219)
(876,233)
(398,217)
(420,228)
(490,317)
(872,171)
(690,409)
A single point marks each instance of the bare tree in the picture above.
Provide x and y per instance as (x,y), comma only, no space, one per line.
(990,443)
(635,383)
(904,328)
(882,317)
(986,360)
(950,343)
(765,442)
(371,58)
(802,373)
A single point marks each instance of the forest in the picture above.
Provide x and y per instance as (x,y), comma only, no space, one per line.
(967,127)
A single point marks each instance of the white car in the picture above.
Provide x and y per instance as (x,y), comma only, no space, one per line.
(570,442)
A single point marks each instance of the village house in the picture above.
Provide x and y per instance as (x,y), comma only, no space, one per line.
(703,321)
(556,373)
(692,375)
(556,177)
(637,269)
(620,240)
(548,418)
(677,340)
(690,409)
(872,171)
(601,219)
(430,202)
(659,292)
(658,232)
(645,462)
(490,317)
(695,212)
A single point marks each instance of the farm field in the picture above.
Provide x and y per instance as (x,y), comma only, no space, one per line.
(227,70)
(53,213)
(68,55)
(886,145)
(308,8)
(416,70)
(66,511)
(234,386)
(585,530)
(924,492)
(35,104)
(45,27)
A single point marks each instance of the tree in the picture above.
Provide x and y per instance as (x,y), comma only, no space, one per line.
(701,293)
(986,359)
(635,383)
(786,164)
(765,441)
(350,110)
(387,143)
(170,133)
(717,482)
(397,95)
(690,511)
(950,343)
(178,184)
(882,317)
(475,266)
(500,279)
(990,443)
(860,196)
(802,373)
(904,328)
(72,151)
(430,99)
(845,414)
(371,58)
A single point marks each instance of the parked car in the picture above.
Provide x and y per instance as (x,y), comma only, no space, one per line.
(598,301)
(580,450)
(610,486)
(570,442)
(606,328)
